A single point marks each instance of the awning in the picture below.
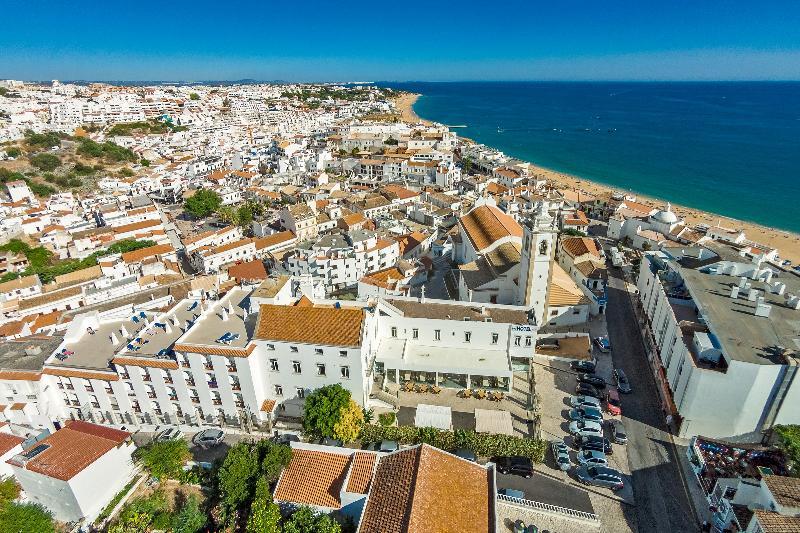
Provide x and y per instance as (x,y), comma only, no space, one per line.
(436,416)
(493,421)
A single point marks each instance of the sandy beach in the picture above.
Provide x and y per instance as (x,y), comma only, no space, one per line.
(787,243)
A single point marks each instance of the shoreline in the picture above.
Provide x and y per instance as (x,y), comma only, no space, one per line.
(787,242)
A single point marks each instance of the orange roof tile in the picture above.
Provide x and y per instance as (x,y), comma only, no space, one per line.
(273,240)
(79,373)
(147,362)
(251,270)
(216,350)
(361,470)
(268,406)
(142,253)
(310,325)
(313,478)
(487,224)
(8,441)
(20,375)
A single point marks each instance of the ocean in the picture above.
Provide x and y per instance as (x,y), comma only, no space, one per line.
(731,148)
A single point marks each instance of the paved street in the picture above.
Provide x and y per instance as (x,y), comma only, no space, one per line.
(544,489)
(658,488)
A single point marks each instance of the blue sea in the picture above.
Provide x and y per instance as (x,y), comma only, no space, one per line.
(730,148)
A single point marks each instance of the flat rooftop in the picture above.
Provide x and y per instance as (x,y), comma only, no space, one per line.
(163,330)
(95,351)
(14,357)
(452,310)
(742,335)
(213,324)
(436,358)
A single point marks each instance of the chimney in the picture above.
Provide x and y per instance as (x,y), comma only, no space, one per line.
(762,309)
(734,292)
(224,314)
(113,338)
(752,295)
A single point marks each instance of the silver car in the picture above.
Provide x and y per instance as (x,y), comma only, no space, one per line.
(592,457)
(585,401)
(208,438)
(170,433)
(561,454)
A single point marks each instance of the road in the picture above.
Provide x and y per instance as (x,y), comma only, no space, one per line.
(544,489)
(661,499)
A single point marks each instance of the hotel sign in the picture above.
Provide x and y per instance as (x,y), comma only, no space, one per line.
(523,329)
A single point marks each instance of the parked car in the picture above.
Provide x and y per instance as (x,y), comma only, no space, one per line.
(585,428)
(593,442)
(583,366)
(600,476)
(617,432)
(591,379)
(464,453)
(517,465)
(512,493)
(584,389)
(387,446)
(623,385)
(170,433)
(285,438)
(591,457)
(561,454)
(602,343)
(586,413)
(208,438)
(584,401)
(613,404)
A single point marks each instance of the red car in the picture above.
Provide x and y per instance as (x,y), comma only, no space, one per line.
(613,406)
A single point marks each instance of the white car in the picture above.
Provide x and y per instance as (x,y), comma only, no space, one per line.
(170,433)
(585,428)
(591,457)
(585,401)
(561,454)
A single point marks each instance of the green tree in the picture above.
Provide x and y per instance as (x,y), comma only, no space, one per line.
(307,520)
(276,457)
(351,420)
(190,518)
(45,162)
(323,409)
(25,518)
(194,96)
(264,513)
(164,459)
(236,478)
(144,162)
(226,214)
(572,232)
(244,216)
(203,203)
(13,151)
(9,490)
(789,441)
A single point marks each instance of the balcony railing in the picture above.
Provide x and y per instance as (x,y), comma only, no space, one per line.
(239,404)
(89,388)
(213,384)
(60,385)
(76,403)
(173,397)
(147,377)
(195,399)
(137,409)
(236,386)
(231,368)
(125,376)
(70,386)
(547,508)
(208,366)
(168,380)
(190,382)
(216,402)
(151,394)
(96,405)
(109,390)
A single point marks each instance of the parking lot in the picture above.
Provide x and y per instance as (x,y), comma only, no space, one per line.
(555,385)
(199,454)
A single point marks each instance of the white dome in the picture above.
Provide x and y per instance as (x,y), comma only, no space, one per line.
(666,216)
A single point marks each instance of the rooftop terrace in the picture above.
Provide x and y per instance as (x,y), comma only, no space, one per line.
(230,316)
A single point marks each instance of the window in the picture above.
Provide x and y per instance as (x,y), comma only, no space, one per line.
(495,338)
(517,340)
(554,312)
(343,353)
(273,365)
(467,336)
(293,349)
(394,331)
(437,334)
(296,367)
(576,311)
(528,340)
(320,369)
(345,372)
(278,390)
(318,351)
(415,333)
(270,346)
(301,392)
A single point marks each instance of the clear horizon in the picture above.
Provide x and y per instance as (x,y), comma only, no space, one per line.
(518,41)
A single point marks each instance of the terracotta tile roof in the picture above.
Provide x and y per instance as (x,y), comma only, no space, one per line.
(251,270)
(20,375)
(135,226)
(73,448)
(578,246)
(313,478)
(304,301)
(563,291)
(785,490)
(45,320)
(229,246)
(19,406)
(143,253)
(310,325)
(776,523)
(216,350)
(79,373)
(273,240)
(423,489)
(486,224)
(147,362)
(8,441)
(268,406)
(361,470)
(50,297)
(353,219)
(381,278)
(410,241)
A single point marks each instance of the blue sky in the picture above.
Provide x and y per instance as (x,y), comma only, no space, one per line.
(333,41)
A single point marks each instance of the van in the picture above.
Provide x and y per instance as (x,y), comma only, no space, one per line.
(613,405)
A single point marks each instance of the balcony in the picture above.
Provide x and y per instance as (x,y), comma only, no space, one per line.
(147,377)
(195,399)
(96,405)
(231,368)
(76,403)
(60,386)
(151,394)
(157,412)
(131,392)
(190,382)
(216,401)
(89,388)
(208,366)
(173,397)
(109,390)
(70,386)
(125,376)
(239,404)
(213,384)
(137,409)
(114,407)
(236,386)
(168,380)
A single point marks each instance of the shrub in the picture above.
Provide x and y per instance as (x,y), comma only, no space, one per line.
(45,161)
(483,444)
(164,459)
(13,151)
(323,410)
(386,419)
